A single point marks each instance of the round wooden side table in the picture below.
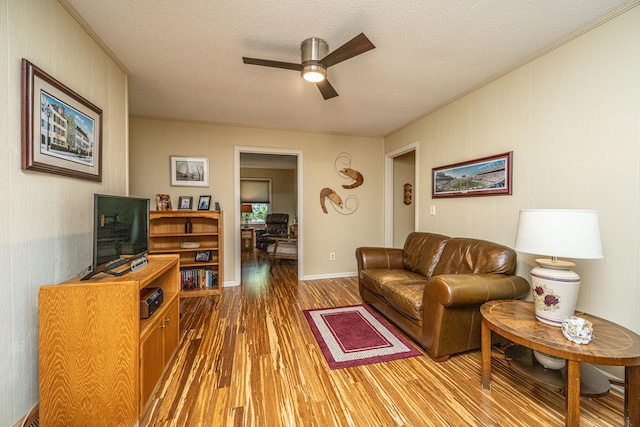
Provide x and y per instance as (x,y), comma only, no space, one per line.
(612,345)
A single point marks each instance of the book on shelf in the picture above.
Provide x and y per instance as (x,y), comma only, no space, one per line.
(198,278)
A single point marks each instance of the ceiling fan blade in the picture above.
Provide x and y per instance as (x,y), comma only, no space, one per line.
(357,45)
(275,64)
(326,89)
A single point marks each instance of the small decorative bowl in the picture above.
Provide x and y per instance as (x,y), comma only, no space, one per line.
(549,361)
(577,329)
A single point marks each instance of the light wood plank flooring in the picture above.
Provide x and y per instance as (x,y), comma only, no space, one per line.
(248,358)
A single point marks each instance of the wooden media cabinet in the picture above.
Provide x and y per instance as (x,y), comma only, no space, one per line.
(99,362)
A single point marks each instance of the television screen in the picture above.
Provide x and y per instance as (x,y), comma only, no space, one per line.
(120,230)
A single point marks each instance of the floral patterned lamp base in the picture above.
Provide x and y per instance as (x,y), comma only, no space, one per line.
(555,290)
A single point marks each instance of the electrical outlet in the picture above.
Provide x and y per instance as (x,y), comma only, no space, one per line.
(332,256)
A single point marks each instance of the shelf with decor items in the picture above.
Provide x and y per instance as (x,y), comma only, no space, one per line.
(196,237)
(98,349)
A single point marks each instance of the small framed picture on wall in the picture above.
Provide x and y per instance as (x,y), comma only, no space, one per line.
(189,171)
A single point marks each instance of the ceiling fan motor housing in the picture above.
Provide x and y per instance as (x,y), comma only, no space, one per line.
(313,50)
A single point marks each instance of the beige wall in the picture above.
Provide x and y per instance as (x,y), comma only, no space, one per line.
(283,188)
(153,141)
(572,120)
(46,220)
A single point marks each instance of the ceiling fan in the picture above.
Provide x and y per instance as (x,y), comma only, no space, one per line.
(316,60)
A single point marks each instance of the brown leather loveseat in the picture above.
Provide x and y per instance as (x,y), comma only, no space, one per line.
(434,287)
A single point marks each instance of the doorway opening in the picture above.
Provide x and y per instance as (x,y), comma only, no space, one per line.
(282,170)
(401,194)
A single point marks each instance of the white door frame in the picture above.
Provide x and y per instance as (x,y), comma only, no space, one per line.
(388,189)
(236,210)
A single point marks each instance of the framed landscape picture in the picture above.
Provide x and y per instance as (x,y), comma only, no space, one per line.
(189,171)
(480,177)
(61,131)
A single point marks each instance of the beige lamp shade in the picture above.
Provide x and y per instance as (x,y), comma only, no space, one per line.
(559,233)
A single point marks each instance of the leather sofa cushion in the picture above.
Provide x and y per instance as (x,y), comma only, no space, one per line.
(376,279)
(406,297)
(422,252)
(464,256)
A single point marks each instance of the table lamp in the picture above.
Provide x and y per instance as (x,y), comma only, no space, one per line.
(557,233)
(245,208)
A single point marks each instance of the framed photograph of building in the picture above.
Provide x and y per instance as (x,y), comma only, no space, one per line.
(61,131)
(480,177)
(189,171)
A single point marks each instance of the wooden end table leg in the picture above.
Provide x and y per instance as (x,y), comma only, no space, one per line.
(272,259)
(572,394)
(632,396)
(486,356)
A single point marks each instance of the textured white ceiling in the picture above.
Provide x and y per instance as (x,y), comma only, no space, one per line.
(185,56)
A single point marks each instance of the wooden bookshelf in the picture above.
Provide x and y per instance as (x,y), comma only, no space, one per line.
(99,361)
(167,233)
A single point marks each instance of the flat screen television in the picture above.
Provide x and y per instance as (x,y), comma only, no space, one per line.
(120,231)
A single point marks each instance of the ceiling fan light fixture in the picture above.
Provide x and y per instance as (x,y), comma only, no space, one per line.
(314,73)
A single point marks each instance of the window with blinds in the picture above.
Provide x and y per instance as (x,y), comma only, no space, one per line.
(257,193)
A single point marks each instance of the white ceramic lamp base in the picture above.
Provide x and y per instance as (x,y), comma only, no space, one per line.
(555,290)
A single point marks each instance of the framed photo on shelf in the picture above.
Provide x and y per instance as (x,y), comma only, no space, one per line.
(480,177)
(163,202)
(61,131)
(189,171)
(185,202)
(203,256)
(204,203)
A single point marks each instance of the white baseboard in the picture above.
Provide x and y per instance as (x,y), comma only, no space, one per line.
(330,275)
(230,284)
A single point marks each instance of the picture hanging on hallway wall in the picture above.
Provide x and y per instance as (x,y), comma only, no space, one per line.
(189,171)
(61,131)
(487,176)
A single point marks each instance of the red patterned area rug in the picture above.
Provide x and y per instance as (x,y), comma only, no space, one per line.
(355,335)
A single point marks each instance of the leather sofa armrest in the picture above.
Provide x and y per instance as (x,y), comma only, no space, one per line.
(391,258)
(450,290)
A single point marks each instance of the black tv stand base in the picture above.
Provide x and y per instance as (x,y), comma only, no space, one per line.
(136,264)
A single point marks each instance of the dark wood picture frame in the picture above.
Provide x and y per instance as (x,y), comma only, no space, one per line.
(61,131)
(185,203)
(487,176)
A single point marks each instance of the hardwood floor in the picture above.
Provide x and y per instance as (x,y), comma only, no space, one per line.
(248,358)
